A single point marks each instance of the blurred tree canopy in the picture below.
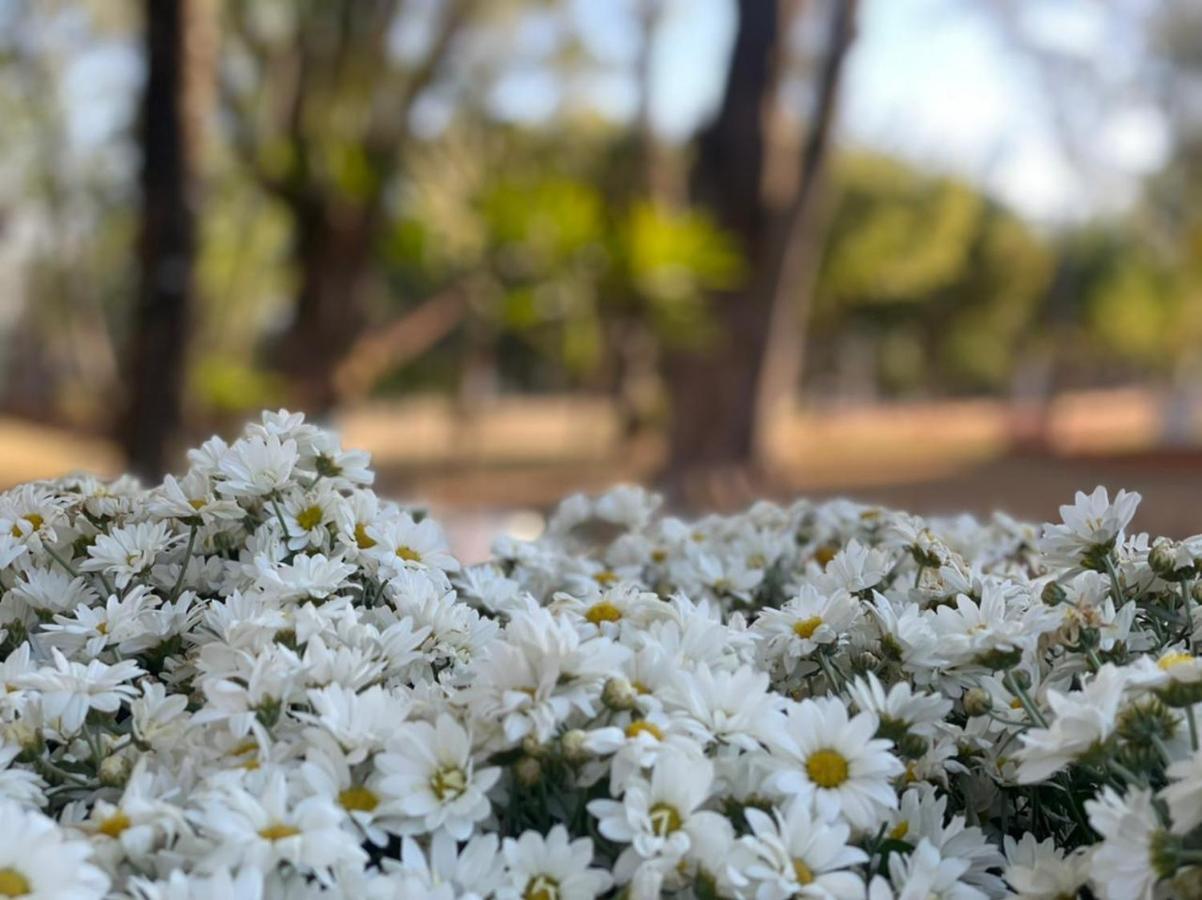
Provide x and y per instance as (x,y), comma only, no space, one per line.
(368,224)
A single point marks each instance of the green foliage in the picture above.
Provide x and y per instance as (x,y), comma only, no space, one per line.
(943,283)
(672,260)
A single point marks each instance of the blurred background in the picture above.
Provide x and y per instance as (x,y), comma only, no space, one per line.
(938,253)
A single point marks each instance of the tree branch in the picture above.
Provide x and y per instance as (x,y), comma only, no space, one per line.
(382,350)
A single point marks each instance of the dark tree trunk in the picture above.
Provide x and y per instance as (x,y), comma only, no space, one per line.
(718,393)
(158,344)
(712,391)
(794,246)
(333,256)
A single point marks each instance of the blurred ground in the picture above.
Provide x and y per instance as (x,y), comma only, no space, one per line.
(503,467)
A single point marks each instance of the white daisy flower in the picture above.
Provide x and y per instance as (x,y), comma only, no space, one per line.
(247,884)
(68,689)
(797,854)
(551,868)
(857,568)
(923,874)
(265,827)
(128,552)
(39,861)
(900,710)
(1082,720)
(1126,865)
(806,623)
(1039,870)
(256,466)
(838,761)
(660,818)
(403,543)
(1091,527)
(1183,793)
(430,779)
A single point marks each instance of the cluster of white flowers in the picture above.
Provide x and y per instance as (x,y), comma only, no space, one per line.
(260,680)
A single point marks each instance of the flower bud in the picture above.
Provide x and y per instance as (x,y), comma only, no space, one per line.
(532,747)
(1054,593)
(573,745)
(528,771)
(1162,558)
(618,694)
(977,702)
(912,746)
(114,770)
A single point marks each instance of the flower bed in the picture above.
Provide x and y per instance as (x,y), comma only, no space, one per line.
(261,680)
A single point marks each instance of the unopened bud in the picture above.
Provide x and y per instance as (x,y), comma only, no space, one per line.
(1054,593)
(977,702)
(528,771)
(573,744)
(24,735)
(618,694)
(1021,678)
(114,770)
(912,746)
(531,746)
(1162,558)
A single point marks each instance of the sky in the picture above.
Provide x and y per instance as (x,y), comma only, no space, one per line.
(931,80)
(935,81)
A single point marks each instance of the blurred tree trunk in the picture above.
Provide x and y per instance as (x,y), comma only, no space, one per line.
(167,241)
(794,246)
(715,391)
(333,251)
(344,44)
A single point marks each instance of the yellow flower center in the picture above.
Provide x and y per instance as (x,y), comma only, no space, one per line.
(310,517)
(13,883)
(899,831)
(756,561)
(541,887)
(250,750)
(806,627)
(658,556)
(35,522)
(114,824)
(362,538)
(408,554)
(1169,660)
(196,504)
(664,819)
(278,831)
(102,627)
(603,612)
(358,799)
(803,873)
(642,726)
(448,783)
(827,768)
(605,577)
(1016,704)
(825,554)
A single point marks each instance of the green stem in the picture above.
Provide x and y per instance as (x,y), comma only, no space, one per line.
(1187,609)
(179,581)
(1115,585)
(70,570)
(830,672)
(1032,710)
(280,517)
